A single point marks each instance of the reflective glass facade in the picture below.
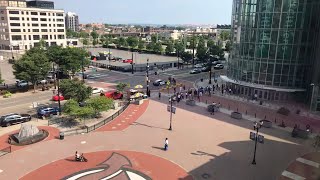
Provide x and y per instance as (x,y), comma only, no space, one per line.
(273,42)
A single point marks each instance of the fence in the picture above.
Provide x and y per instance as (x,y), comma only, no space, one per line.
(98,125)
(5,151)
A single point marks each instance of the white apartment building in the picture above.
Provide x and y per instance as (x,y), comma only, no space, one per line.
(72,21)
(174,34)
(22,28)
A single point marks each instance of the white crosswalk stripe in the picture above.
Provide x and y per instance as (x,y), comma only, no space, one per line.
(292,175)
(308,162)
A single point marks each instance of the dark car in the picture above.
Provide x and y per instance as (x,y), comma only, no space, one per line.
(47,111)
(14,118)
(159,82)
(195,71)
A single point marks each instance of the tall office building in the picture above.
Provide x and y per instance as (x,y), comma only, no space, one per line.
(40,4)
(22,28)
(273,47)
(72,21)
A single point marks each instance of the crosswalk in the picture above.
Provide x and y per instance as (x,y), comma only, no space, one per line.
(96,76)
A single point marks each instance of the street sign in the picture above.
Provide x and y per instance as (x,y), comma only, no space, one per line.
(173,109)
(252,136)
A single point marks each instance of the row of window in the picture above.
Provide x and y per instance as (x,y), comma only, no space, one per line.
(38,30)
(34,19)
(34,13)
(36,25)
(36,37)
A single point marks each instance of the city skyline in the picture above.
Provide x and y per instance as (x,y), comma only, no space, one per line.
(126,12)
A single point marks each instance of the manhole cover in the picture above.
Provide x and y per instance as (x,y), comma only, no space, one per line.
(206,176)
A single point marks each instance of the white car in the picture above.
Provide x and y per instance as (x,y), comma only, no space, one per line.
(97,90)
(198,66)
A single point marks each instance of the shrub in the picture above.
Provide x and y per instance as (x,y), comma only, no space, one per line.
(284,111)
(7,94)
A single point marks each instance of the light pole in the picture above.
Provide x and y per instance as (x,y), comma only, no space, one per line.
(58,80)
(178,59)
(82,66)
(148,93)
(312,94)
(192,49)
(11,47)
(54,76)
(171,101)
(132,72)
(256,127)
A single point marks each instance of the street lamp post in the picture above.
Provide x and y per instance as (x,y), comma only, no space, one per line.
(192,49)
(178,59)
(312,95)
(132,65)
(82,67)
(58,83)
(54,76)
(148,93)
(210,73)
(256,127)
(171,101)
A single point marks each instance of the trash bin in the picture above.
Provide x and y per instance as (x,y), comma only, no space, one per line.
(61,135)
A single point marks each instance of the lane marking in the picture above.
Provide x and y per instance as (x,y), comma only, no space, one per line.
(1,171)
(292,175)
(308,162)
(119,124)
(83,142)
(114,127)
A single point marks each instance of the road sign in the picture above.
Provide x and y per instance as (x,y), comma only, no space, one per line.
(253,136)
(173,109)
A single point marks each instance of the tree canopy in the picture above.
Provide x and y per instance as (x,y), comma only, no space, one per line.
(202,50)
(75,89)
(179,46)
(99,104)
(169,48)
(133,41)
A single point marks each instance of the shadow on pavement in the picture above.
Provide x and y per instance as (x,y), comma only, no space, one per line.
(141,124)
(159,148)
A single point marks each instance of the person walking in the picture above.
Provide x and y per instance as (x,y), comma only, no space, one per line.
(159,95)
(166,144)
(213,105)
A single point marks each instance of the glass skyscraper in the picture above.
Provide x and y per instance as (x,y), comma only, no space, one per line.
(273,46)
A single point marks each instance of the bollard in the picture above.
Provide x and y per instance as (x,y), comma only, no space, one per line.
(255,115)
(275,120)
(206,101)
(237,110)
(265,117)
(228,107)
(246,112)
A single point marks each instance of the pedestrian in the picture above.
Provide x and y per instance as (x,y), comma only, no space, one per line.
(166,144)
(186,95)
(180,89)
(213,105)
(184,87)
(174,90)
(159,95)
(179,98)
(54,92)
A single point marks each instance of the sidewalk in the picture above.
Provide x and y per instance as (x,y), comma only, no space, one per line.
(261,112)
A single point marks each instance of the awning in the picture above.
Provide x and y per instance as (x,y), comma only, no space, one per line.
(258,86)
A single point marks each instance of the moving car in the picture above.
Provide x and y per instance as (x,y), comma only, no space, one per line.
(114,95)
(127,61)
(22,83)
(218,66)
(198,66)
(50,79)
(97,90)
(206,69)
(159,82)
(56,98)
(195,71)
(14,118)
(47,111)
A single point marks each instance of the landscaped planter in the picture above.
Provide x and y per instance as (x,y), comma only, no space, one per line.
(266,123)
(300,133)
(211,106)
(191,102)
(236,115)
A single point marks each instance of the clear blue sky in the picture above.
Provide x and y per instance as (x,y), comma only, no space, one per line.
(150,11)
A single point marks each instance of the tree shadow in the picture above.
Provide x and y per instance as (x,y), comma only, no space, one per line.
(141,124)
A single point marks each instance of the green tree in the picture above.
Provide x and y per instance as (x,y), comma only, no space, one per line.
(42,43)
(224,35)
(186,57)
(154,38)
(141,45)
(72,108)
(75,89)
(169,48)
(215,50)
(123,42)
(158,48)
(201,50)
(150,46)
(106,43)
(33,66)
(94,42)
(85,41)
(179,47)
(83,34)
(133,41)
(121,86)
(193,41)
(228,46)
(94,34)
(72,34)
(99,104)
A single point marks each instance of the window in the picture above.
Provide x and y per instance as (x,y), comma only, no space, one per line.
(60,25)
(13,12)
(35,25)
(2,18)
(15,30)
(59,20)
(36,37)
(22,19)
(44,25)
(60,36)
(34,13)
(15,18)
(35,30)
(45,37)
(34,19)
(44,30)
(60,30)
(59,14)
(43,19)
(16,37)
(14,24)
(43,14)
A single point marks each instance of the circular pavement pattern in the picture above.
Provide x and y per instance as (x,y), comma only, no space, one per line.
(116,165)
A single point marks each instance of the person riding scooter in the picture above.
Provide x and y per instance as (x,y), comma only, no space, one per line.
(80,158)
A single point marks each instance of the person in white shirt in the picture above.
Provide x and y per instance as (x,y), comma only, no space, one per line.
(166,144)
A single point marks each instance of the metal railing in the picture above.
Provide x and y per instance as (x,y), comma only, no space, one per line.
(5,151)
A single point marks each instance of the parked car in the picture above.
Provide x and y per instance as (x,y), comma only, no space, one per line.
(206,69)
(22,83)
(198,66)
(50,79)
(114,95)
(56,98)
(43,81)
(97,90)
(159,82)
(218,66)
(14,118)
(195,71)
(127,61)
(47,111)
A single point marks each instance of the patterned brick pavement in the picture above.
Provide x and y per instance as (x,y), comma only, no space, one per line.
(126,118)
(144,165)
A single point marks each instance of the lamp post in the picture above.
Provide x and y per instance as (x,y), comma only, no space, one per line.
(256,127)
(58,84)
(11,47)
(312,95)
(171,101)
(132,72)
(148,93)
(193,49)
(178,59)
(54,76)
(210,72)
(82,67)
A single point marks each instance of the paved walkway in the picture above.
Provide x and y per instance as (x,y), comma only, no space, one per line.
(126,118)
(200,143)
(135,165)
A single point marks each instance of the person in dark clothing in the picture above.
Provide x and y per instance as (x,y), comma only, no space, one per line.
(159,95)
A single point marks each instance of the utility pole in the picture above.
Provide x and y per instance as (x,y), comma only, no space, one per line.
(82,70)
(54,76)
(193,49)
(132,64)
(58,79)
(178,59)
(148,93)
(171,101)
